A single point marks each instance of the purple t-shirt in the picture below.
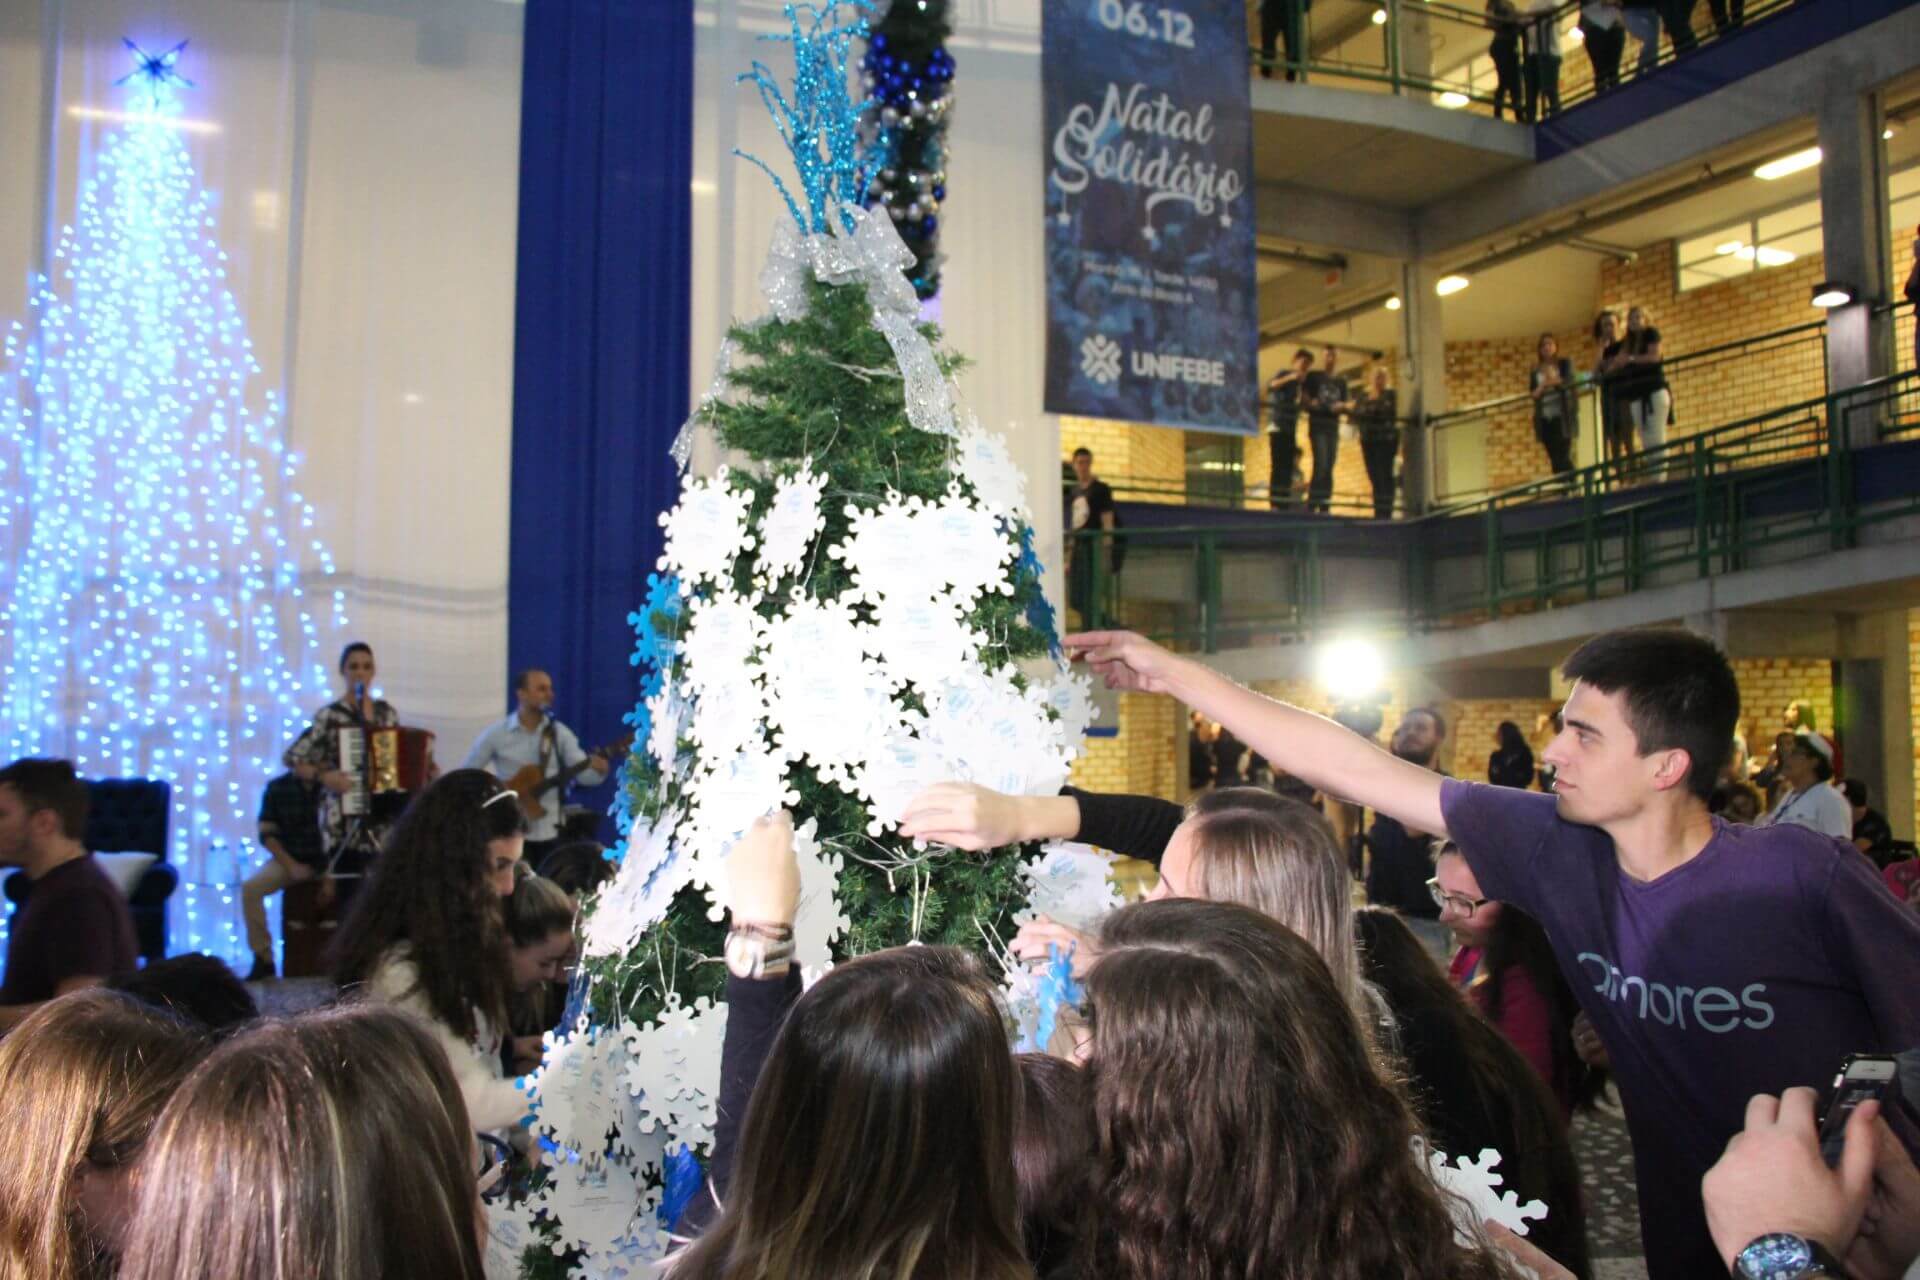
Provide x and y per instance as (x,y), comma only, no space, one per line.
(74,924)
(1756,966)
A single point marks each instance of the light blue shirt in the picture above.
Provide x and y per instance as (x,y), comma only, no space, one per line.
(510,746)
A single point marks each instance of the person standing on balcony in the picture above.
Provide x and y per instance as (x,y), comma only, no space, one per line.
(1616,428)
(1287,389)
(1727,14)
(1326,397)
(1375,414)
(1912,292)
(1092,511)
(1605,37)
(1642,18)
(1505,22)
(1543,59)
(1642,381)
(1555,419)
(1677,17)
(1283,20)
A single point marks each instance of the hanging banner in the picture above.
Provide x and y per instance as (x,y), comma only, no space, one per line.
(1151,309)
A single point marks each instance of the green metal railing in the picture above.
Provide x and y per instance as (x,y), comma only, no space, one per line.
(1714,503)
(1440,49)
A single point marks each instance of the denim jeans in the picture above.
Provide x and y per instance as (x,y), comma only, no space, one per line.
(1644,26)
(1323,434)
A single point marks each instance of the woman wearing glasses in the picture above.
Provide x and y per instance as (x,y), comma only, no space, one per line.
(1506,966)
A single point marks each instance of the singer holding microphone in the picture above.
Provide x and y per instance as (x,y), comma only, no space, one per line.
(315,756)
(531,744)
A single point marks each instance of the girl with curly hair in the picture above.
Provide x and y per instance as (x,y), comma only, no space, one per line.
(427,935)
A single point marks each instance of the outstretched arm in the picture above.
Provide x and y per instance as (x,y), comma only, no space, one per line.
(1310,747)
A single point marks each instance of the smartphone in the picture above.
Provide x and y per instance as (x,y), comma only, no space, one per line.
(1862,1078)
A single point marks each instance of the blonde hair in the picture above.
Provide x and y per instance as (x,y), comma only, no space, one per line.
(332,1144)
(82,1080)
(1280,857)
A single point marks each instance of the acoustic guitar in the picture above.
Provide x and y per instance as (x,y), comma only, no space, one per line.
(530,784)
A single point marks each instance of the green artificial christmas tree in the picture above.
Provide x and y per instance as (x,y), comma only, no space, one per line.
(847,612)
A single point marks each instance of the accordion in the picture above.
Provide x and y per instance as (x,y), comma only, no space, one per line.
(387,765)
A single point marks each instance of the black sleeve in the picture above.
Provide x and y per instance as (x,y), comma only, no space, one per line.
(1099,501)
(1137,826)
(756,1008)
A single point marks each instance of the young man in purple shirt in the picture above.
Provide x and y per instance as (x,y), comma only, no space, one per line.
(74,930)
(1717,962)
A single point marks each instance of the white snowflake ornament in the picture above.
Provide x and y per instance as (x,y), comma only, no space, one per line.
(820,920)
(594,1204)
(654,870)
(921,640)
(995,734)
(896,771)
(727,720)
(669,713)
(1071,883)
(1070,698)
(719,638)
(968,547)
(1475,1195)
(575,1088)
(826,700)
(746,786)
(985,462)
(885,551)
(673,1070)
(509,1235)
(791,524)
(706,530)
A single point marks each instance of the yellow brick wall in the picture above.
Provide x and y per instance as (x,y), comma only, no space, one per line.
(1473,725)
(1124,451)
(1913,688)
(1494,368)
(1142,759)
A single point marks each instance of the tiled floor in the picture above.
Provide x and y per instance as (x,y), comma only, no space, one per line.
(1613,1214)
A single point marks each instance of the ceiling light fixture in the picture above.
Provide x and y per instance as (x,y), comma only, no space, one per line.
(1795,163)
(1832,293)
(1446,286)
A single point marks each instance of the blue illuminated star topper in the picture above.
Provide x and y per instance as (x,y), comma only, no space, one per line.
(156,69)
(820,123)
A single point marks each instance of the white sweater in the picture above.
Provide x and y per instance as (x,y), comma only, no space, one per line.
(493,1101)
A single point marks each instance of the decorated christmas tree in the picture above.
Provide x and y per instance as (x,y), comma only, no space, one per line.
(153,546)
(847,611)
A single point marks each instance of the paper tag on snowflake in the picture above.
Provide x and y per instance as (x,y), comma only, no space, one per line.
(899,769)
(653,871)
(745,787)
(820,920)
(509,1234)
(706,530)
(967,546)
(986,463)
(673,1069)
(921,640)
(717,639)
(1476,1196)
(1071,883)
(790,525)
(886,550)
(593,1203)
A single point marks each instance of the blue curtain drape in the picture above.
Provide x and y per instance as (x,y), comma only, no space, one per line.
(601,324)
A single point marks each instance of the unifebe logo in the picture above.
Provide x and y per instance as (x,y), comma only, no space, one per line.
(1100,359)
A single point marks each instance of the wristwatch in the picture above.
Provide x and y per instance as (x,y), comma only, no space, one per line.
(1781,1255)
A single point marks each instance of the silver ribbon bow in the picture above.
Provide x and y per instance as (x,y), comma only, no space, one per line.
(873,254)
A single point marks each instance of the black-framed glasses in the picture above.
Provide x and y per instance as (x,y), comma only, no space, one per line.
(1464,905)
(495,1156)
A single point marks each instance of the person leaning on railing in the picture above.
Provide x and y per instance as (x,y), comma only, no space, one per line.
(1616,428)
(1554,417)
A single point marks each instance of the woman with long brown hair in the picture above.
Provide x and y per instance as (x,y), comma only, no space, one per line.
(82,1081)
(1242,1129)
(427,934)
(333,1144)
(877,1141)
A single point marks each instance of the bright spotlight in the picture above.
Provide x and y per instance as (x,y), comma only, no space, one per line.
(1350,668)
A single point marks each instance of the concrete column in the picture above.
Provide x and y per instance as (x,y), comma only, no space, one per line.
(1423,379)
(1413,29)
(1854,235)
(1711,624)
(1872,702)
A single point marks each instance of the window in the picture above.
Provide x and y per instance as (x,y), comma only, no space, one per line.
(1777,237)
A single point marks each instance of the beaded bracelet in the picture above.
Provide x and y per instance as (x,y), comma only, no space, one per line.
(759,950)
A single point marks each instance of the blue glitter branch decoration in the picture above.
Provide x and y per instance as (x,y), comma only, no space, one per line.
(820,123)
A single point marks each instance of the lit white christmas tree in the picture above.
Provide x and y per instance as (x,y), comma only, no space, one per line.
(154,617)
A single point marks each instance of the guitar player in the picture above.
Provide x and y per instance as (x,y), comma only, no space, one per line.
(531,745)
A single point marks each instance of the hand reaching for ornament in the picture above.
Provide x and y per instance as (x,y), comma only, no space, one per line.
(763,875)
(1125,660)
(965,816)
(1039,933)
